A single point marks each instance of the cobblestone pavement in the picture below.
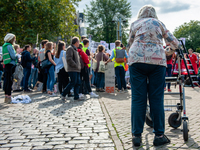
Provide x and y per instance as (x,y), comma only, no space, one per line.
(48,123)
(118,107)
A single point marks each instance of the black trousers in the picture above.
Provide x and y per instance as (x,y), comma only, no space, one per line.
(44,80)
(63,79)
(8,79)
(85,81)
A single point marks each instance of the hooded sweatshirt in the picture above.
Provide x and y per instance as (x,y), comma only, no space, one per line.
(27,60)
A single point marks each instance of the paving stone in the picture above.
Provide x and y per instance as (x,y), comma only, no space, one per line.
(12,145)
(46,147)
(66,146)
(34,144)
(78,142)
(20,141)
(21,148)
(61,139)
(47,121)
(55,143)
(3,142)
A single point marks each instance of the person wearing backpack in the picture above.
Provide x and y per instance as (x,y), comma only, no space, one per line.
(118,54)
(169,67)
(84,75)
(10,61)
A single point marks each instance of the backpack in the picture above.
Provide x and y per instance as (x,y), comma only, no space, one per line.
(120,54)
(18,74)
(169,57)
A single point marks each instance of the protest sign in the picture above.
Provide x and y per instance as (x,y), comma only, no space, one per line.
(103,43)
(106,46)
(183,39)
(112,46)
(110,78)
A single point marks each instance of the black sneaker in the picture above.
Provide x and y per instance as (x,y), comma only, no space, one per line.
(160,140)
(137,140)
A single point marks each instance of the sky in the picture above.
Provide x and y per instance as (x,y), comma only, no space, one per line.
(172,13)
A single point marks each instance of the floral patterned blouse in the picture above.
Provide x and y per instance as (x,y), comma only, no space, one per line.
(145,44)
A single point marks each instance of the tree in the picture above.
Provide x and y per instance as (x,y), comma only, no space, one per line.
(190,31)
(27,18)
(99,16)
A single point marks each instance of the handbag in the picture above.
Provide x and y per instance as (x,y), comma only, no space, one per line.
(102,66)
(64,62)
(45,63)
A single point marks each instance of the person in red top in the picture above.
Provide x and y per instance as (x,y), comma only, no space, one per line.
(85,74)
(193,59)
(169,68)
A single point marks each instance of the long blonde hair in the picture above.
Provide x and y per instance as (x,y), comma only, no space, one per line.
(48,46)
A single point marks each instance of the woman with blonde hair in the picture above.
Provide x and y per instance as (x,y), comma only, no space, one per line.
(147,60)
(10,61)
(50,69)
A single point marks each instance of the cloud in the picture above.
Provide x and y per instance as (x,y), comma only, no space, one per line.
(162,6)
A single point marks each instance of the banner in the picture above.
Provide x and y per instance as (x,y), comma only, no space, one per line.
(110,78)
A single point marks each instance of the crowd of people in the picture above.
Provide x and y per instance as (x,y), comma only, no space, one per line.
(73,67)
(77,70)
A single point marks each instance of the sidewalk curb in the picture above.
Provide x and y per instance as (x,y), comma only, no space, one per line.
(113,133)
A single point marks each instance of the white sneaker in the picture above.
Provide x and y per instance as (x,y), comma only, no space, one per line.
(93,95)
(81,96)
(52,95)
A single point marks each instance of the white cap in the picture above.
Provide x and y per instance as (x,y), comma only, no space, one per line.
(9,37)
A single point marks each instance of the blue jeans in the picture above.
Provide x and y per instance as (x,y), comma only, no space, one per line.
(169,73)
(100,80)
(33,76)
(120,74)
(27,72)
(93,77)
(50,78)
(73,83)
(139,73)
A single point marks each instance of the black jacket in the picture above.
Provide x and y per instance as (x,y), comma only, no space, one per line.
(27,59)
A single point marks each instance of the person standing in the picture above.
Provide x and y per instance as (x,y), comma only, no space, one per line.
(169,68)
(194,60)
(63,76)
(10,61)
(147,60)
(50,69)
(73,68)
(84,75)
(100,75)
(118,54)
(26,62)
(43,72)
(34,70)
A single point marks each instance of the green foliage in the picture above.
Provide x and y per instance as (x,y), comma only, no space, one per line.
(198,50)
(191,32)
(99,16)
(27,18)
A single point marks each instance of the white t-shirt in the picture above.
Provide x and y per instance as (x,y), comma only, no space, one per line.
(41,54)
